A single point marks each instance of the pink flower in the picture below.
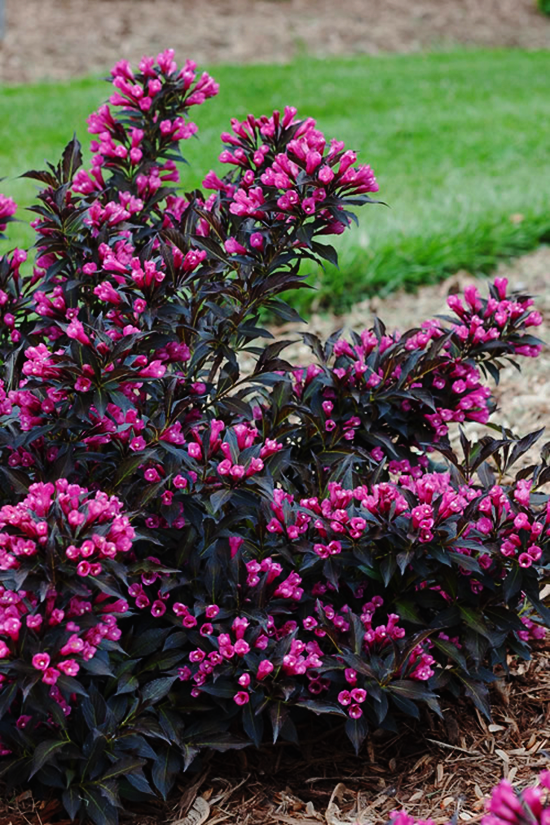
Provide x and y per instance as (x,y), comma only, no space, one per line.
(158,608)
(241,647)
(234,247)
(82,384)
(194,450)
(51,675)
(83,568)
(156,369)
(525,560)
(69,667)
(264,669)
(41,661)
(137,444)
(241,698)
(167,498)
(75,330)
(235,542)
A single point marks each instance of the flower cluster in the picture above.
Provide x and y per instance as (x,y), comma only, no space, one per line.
(286,172)
(57,534)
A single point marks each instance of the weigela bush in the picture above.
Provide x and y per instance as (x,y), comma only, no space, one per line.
(190,549)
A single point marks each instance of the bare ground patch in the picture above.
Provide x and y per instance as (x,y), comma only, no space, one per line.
(64,38)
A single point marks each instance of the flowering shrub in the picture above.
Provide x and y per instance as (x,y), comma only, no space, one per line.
(505,805)
(189,551)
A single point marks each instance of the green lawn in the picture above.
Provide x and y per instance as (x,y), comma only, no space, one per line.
(459,143)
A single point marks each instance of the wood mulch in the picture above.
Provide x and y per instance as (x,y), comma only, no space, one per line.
(63,38)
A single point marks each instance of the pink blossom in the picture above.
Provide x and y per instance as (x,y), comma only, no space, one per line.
(41,661)
(264,669)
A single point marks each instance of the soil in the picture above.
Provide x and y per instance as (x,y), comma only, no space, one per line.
(63,38)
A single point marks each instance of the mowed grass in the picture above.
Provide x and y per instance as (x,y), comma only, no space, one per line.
(459,143)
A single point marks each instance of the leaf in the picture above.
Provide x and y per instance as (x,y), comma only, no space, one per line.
(71,801)
(18,481)
(473,620)
(219,498)
(541,609)
(71,685)
(478,693)
(71,160)
(278,714)
(100,401)
(42,177)
(269,360)
(45,752)
(325,251)
(406,706)
(93,708)
(97,667)
(129,465)
(321,707)
(417,691)
(98,809)
(523,445)
(148,642)
(513,582)
(7,695)
(93,750)
(156,690)
(138,781)
(253,724)
(127,683)
(359,664)
(122,767)
(452,652)
(467,562)
(387,568)
(165,767)
(356,731)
